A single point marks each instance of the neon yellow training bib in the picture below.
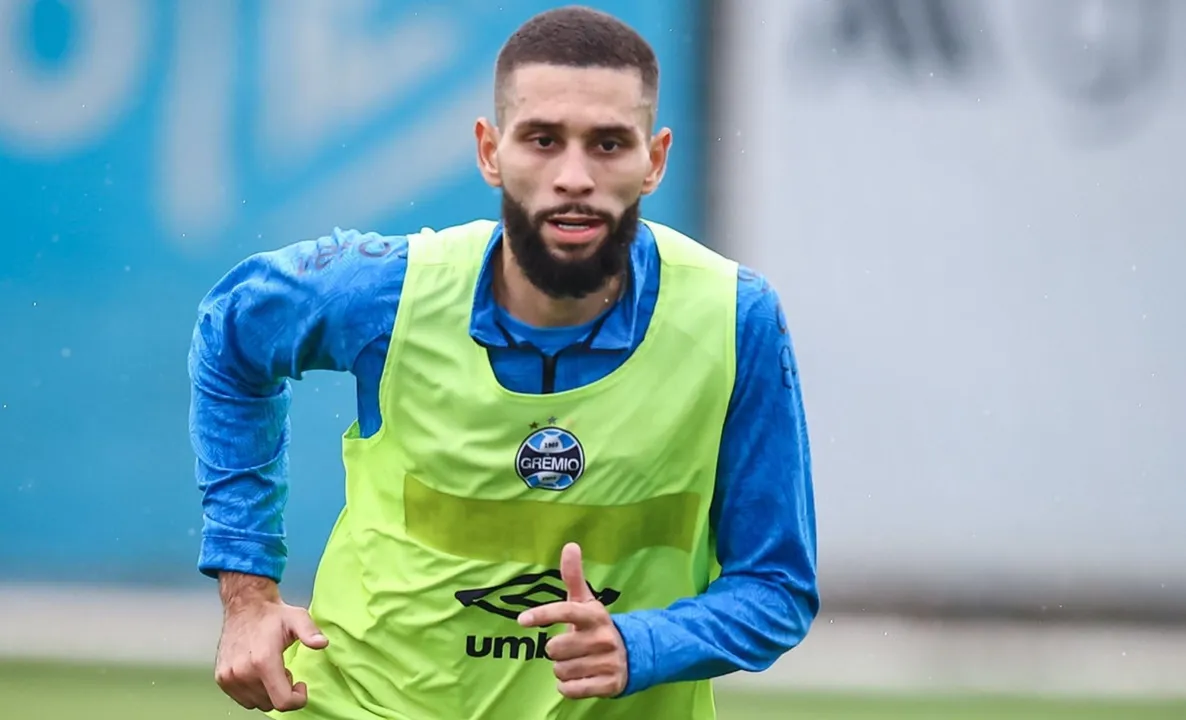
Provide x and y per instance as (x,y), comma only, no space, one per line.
(457,509)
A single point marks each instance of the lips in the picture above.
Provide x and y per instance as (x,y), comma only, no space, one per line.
(575,223)
(576,229)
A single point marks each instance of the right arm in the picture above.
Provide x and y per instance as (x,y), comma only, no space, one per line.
(314,305)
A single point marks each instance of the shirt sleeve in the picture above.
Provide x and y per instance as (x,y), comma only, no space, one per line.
(313,305)
(766,597)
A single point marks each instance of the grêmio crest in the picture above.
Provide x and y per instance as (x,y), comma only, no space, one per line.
(550,458)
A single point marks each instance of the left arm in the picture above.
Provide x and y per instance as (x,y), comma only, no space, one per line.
(763,511)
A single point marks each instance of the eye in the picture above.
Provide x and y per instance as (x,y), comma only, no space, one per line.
(544,141)
(608,146)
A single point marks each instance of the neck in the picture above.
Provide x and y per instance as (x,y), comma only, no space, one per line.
(528,304)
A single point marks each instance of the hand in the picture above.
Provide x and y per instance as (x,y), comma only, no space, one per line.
(250,667)
(590,659)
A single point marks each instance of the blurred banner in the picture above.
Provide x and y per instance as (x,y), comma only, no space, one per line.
(147,146)
(974,214)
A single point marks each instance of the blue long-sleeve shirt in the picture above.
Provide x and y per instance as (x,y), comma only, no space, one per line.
(330,304)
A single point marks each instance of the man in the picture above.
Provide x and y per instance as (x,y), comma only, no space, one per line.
(579,482)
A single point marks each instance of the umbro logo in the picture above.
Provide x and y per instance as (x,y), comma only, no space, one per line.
(511,598)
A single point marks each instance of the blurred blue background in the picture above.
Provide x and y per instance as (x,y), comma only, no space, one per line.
(145,147)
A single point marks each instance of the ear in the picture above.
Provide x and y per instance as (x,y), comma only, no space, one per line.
(659,146)
(486,135)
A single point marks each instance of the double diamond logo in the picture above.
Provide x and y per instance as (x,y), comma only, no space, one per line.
(524,592)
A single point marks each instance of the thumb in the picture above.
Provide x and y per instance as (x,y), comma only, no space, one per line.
(303,627)
(573,574)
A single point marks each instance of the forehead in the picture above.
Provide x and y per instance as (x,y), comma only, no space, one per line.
(575,96)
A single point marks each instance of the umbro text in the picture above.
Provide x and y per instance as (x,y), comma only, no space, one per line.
(508,647)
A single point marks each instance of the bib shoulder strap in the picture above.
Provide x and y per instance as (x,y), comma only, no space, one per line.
(459,244)
(677,249)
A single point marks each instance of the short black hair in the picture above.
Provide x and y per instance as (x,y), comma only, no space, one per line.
(580,37)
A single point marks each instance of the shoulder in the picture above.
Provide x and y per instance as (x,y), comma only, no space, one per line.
(341,268)
(758,303)
(762,330)
(345,251)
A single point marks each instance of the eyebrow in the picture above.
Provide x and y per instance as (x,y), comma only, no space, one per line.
(555,127)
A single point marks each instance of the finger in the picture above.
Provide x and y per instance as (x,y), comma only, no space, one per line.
(302,627)
(252,696)
(567,646)
(578,614)
(572,573)
(253,700)
(274,677)
(584,667)
(241,685)
(300,690)
(248,698)
(602,686)
(301,693)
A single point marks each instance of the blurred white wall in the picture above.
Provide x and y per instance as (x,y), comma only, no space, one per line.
(975,214)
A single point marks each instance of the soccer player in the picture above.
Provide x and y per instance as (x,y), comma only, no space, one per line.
(579,483)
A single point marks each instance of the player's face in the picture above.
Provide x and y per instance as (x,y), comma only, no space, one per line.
(574,156)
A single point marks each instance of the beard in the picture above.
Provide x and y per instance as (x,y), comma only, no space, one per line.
(568,279)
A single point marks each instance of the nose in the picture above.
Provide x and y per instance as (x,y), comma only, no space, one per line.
(574,179)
